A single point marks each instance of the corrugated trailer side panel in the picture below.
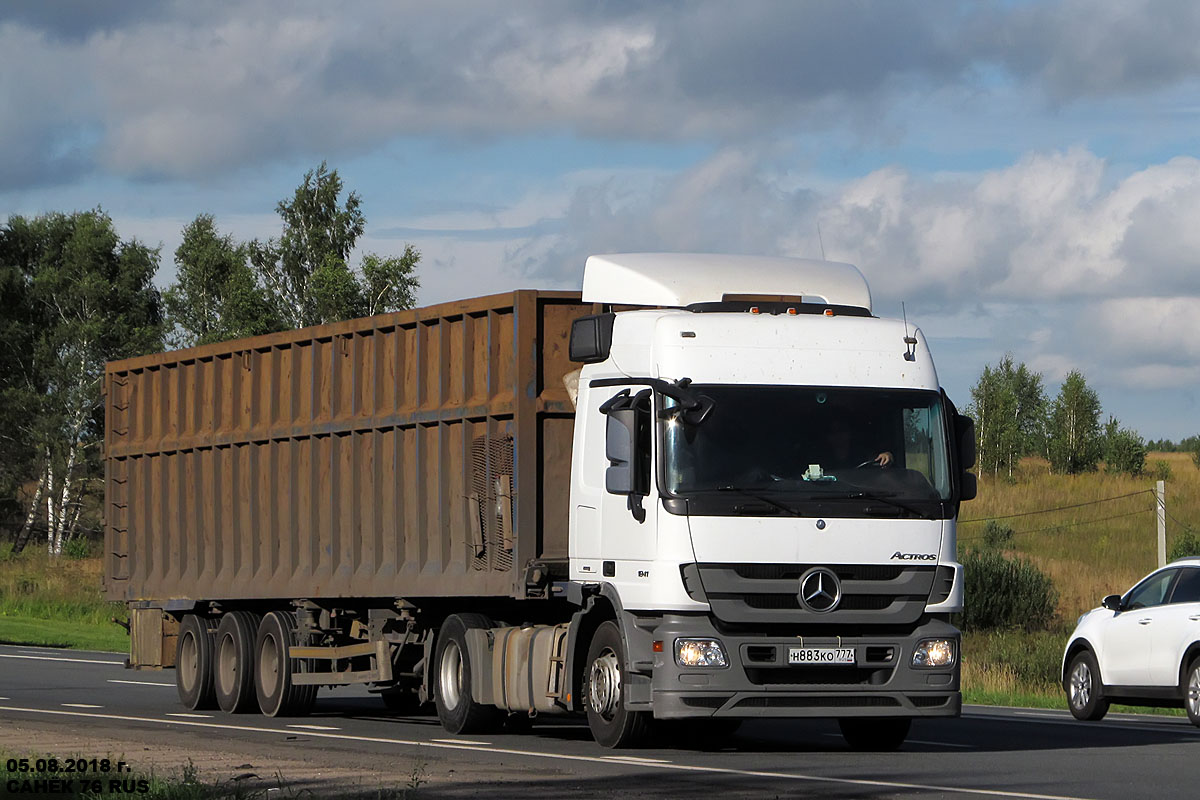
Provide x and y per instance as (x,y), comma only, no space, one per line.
(417,454)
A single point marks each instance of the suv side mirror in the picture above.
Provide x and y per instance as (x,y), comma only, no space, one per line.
(1112,602)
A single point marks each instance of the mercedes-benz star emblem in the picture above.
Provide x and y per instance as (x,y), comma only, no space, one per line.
(820,590)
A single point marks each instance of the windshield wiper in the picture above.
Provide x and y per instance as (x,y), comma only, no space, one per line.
(882,498)
(761,498)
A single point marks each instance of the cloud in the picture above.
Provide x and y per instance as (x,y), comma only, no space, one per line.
(1054,257)
(177,89)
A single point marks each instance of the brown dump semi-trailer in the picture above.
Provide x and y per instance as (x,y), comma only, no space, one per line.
(341,488)
(639,503)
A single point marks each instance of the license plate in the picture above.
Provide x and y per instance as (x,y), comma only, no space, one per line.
(821,655)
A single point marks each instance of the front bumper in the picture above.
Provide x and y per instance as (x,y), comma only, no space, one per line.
(759,682)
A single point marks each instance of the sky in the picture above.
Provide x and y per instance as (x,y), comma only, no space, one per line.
(1024,177)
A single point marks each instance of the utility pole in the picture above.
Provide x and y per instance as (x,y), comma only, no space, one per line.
(1161,509)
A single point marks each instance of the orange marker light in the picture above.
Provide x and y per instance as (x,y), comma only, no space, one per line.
(829,312)
(792,312)
(657,647)
(753,309)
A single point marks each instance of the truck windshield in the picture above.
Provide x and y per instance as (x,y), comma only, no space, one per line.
(814,443)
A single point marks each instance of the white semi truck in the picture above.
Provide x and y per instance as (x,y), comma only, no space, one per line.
(711,488)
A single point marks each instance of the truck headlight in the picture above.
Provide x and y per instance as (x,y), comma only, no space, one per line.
(934,653)
(700,653)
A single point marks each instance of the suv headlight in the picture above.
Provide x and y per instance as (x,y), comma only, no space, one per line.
(700,653)
(934,653)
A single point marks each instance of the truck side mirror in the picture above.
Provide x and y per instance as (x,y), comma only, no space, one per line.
(968,486)
(627,448)
(591,338)
(964,431)
(619,449)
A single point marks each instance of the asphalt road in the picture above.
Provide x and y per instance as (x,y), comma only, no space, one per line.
(988,752)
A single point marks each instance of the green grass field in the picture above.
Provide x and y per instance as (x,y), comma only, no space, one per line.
(58,603)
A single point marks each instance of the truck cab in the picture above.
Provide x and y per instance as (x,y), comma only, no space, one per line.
(764,488)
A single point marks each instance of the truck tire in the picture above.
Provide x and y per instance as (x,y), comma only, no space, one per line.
(273,669)
(877,734)
(194,664)
(1085,691)
(456,709)
(612,724)
(233,662)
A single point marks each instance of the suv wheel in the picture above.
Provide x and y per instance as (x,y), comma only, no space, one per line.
(1191,692)
(1085,692)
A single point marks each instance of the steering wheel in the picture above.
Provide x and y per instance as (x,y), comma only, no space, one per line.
(870,462)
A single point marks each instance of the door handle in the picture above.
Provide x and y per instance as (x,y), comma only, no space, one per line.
(1194,617)
(1145,621)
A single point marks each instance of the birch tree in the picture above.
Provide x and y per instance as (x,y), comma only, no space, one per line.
(306,271)
(1008,405)
(1074,427)
(91,300)
(215,296)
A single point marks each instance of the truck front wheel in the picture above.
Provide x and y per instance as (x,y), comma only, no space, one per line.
(612,725)
(234,662)
(458,712)
(194,664)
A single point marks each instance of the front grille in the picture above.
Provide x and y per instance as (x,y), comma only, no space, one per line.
(872,594)
(817,676)
(836,701)
(705,701)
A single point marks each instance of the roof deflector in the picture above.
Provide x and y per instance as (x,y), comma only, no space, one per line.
(676,280)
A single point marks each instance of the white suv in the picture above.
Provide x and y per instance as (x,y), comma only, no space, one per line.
(1140,649)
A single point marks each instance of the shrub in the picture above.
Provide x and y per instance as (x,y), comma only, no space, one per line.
(997,535)
(1124,451)
(1160,470)
(1186,543)
(1005,593)
(77,548)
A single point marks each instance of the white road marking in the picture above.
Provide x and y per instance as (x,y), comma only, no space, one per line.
(79,705)
(3,698)
(637,759)
(190,716)
(698,768)
(141,683)
(461,741)
(73,660)
(316,727)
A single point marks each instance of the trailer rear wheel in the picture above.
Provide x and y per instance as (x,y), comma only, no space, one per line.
(234,662)
(194,664)
(273,669)
(612,724)
(456,709)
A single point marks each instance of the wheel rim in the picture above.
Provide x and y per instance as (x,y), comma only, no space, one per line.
(604,684)
(189,661)
(1081,685)
(227,664)
(1193,698)
(450,676)
(268,664)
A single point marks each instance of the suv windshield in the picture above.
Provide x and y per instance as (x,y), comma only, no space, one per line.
(812,443)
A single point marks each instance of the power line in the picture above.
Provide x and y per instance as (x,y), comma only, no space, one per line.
(1070,524)
(1059,508)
